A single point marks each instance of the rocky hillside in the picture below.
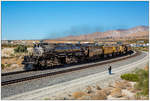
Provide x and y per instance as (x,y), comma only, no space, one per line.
(139,32)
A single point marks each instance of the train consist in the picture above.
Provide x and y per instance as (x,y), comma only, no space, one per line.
(47,55)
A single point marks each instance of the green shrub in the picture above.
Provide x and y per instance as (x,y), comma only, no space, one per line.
(130,77)
(3,66)
(12,55)
(8,45)
(143,82)
(141,77)
(20,48)
(8,65)
(14,45)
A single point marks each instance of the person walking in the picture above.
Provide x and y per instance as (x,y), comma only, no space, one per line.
(109,70)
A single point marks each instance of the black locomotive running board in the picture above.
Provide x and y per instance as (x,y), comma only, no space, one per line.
(63,71)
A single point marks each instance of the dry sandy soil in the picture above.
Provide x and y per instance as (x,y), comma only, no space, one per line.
(12,61)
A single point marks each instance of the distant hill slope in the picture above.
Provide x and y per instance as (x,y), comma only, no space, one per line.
(133,33)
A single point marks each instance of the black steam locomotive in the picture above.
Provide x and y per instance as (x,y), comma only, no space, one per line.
(47,55)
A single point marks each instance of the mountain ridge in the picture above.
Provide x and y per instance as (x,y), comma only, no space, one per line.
(131,33)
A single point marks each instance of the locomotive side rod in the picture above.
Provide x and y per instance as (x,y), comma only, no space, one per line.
(63,71)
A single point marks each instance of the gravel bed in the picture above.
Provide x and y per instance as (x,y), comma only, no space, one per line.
(21,87)
(32,73)
(12,70)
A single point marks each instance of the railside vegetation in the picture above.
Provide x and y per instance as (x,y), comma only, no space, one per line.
(141,77)
(20,49)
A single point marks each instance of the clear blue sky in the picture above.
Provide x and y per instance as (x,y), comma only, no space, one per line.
(25,20)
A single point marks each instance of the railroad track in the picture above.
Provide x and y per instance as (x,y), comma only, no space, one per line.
(23,74)
(25,71)
(59,72)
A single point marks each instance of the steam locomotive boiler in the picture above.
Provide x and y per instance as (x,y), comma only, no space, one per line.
(48,55)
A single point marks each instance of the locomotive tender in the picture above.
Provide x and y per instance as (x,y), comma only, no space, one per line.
(47,55)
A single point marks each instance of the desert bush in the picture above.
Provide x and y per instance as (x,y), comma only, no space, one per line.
(3,66)
(116,92)
(20,49)
(141,77)
(130,77)
(143,82)
(47,99)
(14,45)
(12,55)
(8,45)
(99,95)
(8,65)
(138,96)
(79,94)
